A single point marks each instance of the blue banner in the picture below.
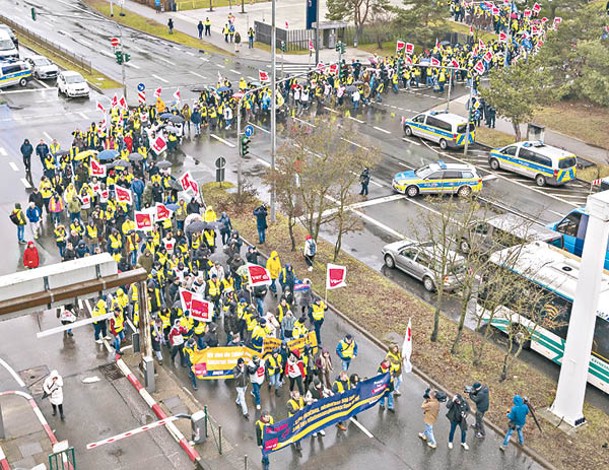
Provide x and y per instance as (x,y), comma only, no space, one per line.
(324,413)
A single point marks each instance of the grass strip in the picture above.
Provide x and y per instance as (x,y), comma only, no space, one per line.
(493,137)
(383,308)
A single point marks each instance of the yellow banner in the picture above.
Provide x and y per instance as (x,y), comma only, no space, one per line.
(272,343)
(218,363)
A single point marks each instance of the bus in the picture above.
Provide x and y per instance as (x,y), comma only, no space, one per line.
(573,228)
(548,277)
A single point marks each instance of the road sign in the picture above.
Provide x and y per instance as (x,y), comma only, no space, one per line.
(114,42)
(249,130)
(220,163)
(141,87)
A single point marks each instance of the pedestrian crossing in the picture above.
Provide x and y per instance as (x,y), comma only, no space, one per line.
(293,69)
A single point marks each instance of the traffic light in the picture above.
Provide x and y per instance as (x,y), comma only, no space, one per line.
(119,57)
(283,48)
(341,47)
(126,57)
(245,143)
(400,66)
(33,13)
(337,46)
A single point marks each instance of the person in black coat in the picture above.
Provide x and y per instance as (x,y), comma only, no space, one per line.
(458,409)
(26,152)
(479,394)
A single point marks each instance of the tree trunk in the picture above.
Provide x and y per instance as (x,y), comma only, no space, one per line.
(291,223)
(505,366)
(516,126)
(466,298)
(339,239)
(436,316)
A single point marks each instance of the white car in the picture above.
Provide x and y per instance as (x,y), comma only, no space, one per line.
(72,84)
(42,68)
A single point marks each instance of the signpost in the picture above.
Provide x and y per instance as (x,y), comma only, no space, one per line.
(220,169)
(248,131)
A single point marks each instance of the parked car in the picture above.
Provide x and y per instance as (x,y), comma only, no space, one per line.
(7,28)
(423,262)
(14,72)
(42,68)
(72,84)
(8,50)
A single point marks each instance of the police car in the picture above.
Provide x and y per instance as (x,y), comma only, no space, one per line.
(438,178)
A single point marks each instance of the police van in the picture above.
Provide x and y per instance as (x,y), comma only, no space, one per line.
(14,72)
(448,130)
(536,160)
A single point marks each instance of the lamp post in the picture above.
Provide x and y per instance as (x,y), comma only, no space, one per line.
(273,104)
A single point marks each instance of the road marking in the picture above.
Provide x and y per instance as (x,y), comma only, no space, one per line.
(357,120)
(84,116)
(26,183)
(555,213)
(258,127)
(106,53)
(370,202)
(251,78)
(204,59)
(131,64)
(42,83)
(361,427)
(198,75)
(236,71)
(14,166)
(48,23)
(221,66)
(304,122)
(190,53)
(86,43)
(29,90)
(3,152)
(380,129)
(355,143)
(11,371)
(225,142)
(159,78)
(166,61)
(264,162)
(331,110)
(411,141)
(47,135)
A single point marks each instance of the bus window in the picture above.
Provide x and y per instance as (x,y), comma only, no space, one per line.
(570,224)
(600,345)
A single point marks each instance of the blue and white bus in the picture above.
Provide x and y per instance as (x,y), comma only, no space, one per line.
(548,277)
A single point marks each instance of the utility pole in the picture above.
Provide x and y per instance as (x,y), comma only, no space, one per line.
(273,103)
(317,32)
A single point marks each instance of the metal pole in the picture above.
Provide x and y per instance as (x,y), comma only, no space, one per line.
(239,163)
(206,420)
(123,72)
(450,85)
(282,52)
(220,432)
(317,32)
(2,433)
(273,103)
(469,116)
(245,461)
(242,6)
(144,319)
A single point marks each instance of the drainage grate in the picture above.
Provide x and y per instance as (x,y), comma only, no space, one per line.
(111,372)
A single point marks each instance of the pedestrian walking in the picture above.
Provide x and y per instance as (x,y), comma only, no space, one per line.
(274,368)
(200,28)
(364,179)
(42,150)
(325,367)
(458,409)
(431,409)
(295,403)
(317,314)
(117,328)
(18,218)
(237,41)
(225,32)
(273,266)
(31,258)
(346,349)
(295,371)
(256,370)
(517,418)
(250,38)
(99,310)
(479,394)
(53,389)
(170,25)
(310,250)
(67,316)
(261,214)
(316,392)
(394,356)
(34,216)
(341,385)
(225,226)
(265,420)
(384,368)
(240,376)
(190,347)
(176,341)
(26,154)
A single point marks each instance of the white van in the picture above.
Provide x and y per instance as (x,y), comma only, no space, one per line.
(14,72)
(7,47)
(447,129)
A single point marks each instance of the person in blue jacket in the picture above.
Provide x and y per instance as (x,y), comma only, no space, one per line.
(517,417)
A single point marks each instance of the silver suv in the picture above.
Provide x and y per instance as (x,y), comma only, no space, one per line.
(421,261)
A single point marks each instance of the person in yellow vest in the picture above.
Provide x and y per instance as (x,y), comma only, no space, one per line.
(295,404)
(317,315)
(209,237)
(60,238)
(341,385)
(100,326)
(265,420)
(346,349)
(210,215)
(190,348)
(213,290)
(300,330)
(274,367)
(394,356)
(273,265)
(115,242)
(46,191)
(117,327)
(258,334)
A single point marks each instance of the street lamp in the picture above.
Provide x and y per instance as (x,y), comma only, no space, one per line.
(273,104)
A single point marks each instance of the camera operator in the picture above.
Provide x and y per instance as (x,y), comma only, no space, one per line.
(479,394)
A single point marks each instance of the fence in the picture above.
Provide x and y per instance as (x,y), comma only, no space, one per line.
(47,45)
(295,39)
(64,460)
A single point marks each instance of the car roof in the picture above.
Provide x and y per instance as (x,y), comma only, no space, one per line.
(446,116)
(452,166)
(70,73)
(521,228)
(543,149)
(426,247)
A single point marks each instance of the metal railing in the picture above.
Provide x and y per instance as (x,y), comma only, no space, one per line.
(64,460)
(49,46)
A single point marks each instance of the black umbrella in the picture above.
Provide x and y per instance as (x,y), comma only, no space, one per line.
(211,225)
(136,157)
(163,164)
(165,115)
(119,164)
(176,119)
(173,184)
(195,226)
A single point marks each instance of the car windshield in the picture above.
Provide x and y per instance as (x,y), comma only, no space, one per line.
(6,45)
(425,171)
(567,162)
(74,79)
(42,61)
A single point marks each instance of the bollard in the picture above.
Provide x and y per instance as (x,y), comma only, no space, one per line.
(205,410)
(197,422)
(245,461)
(220,439)
(135,341)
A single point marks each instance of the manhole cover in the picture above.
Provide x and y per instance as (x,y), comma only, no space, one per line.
(111,372)
(34,378)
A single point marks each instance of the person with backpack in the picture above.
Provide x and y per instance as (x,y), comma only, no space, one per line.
(18,218)
(458,409)
(310,249)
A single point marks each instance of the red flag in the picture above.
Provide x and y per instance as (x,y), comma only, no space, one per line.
(471,30)
(544,20)
(286,25)
(123,194)
(334,69)
(526,13)
(495,10)
(407,348)
(399,45)
(479,67)
(96,169)
(488,56)
(186,180)
(101,108)
(103,123)
(409,48)
(123,102)
(481,44)
(335,276)
(159,144)
(557,21)
(311,46)
(434,62)
(157,92)
(454,63)
(143,220)
(536,7)
(162,212)
(104,194)
(114,102)
(177,95)
(503,37)
(258,275)
(185,298)
(407,60)
(321,67)
(263,76)
(200,309)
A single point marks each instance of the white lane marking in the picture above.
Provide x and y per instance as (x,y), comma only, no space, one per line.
(236,71)
(264,162)
(106,53)
(14,166)
(556,213)
(251,78)
(161,79)
(198,75)
(131,64)
(29,90)
(361,427)
(357,120)
(405,139)
(572,196)
(331,110)
(189,53)
(26,183)
(258,127)
(370,202)
(3,152)
(204,59)
(304,122)
(221,66)
(84,116)
(139,49)
(43,83)
(166,61)
(380,129)
(11,371)
(48,23)
(220,139)
(46,134)
(355,143)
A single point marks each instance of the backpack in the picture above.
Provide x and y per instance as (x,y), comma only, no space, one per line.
(14,218)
